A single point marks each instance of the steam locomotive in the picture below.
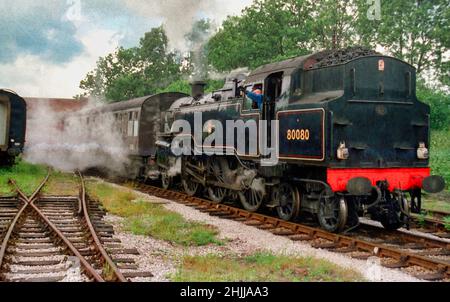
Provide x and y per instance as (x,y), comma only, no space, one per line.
(351,139)
(13,117)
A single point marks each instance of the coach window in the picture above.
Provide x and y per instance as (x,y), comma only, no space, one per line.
(136,124)
(130,124)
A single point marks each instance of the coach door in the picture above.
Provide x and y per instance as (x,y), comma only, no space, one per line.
(4,122)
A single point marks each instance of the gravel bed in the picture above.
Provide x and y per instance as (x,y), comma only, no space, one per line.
(162,258)
(153,253)
(254,239)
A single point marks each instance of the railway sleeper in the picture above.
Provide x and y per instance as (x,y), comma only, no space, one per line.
(51,270)
(132,275)
(39,279)
(37,254)
(402,263)
(438,275)
(123,251)
(36,262)
(34,246)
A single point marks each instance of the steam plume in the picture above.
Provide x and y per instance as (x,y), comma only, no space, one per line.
(67,143)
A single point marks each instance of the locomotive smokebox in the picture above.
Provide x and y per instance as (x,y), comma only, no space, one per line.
(198,89)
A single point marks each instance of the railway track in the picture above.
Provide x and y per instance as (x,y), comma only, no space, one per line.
(433,222)
(424,257)
(61,238)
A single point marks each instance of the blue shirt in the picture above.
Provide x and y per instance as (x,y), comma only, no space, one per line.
(258,98)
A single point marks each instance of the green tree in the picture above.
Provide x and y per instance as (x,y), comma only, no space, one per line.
(272,30)
(134,72)
(334,25)
(415,31)
(267,30)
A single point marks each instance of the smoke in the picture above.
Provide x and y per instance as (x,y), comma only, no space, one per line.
(180,18)
(65,141)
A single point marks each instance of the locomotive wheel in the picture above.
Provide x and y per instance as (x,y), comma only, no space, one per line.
(333,214)
(251,199)
(190,187)
(401,219)
(166,181)
(216,194)
(288,198)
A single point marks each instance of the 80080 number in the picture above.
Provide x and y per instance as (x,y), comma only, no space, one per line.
(298,135)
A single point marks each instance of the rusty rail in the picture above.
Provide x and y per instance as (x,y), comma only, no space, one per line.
(440,268)
(11,228)
(22,197)
(118,276)
(29,202)
(433,222)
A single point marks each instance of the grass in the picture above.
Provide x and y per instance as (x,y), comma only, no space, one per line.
(66,184)
(421,218)
(437,202)
(27,176)
(447,223)
(440,165)
(440,154)
(261,267)
(144,218)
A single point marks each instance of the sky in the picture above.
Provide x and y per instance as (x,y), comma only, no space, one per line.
(48,46)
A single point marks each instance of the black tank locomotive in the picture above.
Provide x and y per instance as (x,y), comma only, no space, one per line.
(351,139)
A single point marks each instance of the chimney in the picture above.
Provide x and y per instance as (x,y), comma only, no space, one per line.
(198,89)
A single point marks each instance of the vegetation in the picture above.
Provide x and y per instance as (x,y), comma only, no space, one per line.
(437,202)
(145,218)
(440,154)
(260,267)
(27,176)
(185,87)
(421,218)
(60,183)
(272,30)
(447,223)
(134,72)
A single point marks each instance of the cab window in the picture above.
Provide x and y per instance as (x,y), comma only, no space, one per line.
(248,103)
(296,86)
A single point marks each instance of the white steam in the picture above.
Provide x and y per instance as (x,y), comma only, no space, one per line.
(65,141)
(179,16)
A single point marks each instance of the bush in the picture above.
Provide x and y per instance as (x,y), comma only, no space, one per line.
(440,106)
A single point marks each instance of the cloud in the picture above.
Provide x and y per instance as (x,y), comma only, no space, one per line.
(48,46)
(30,75)
(37,28)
